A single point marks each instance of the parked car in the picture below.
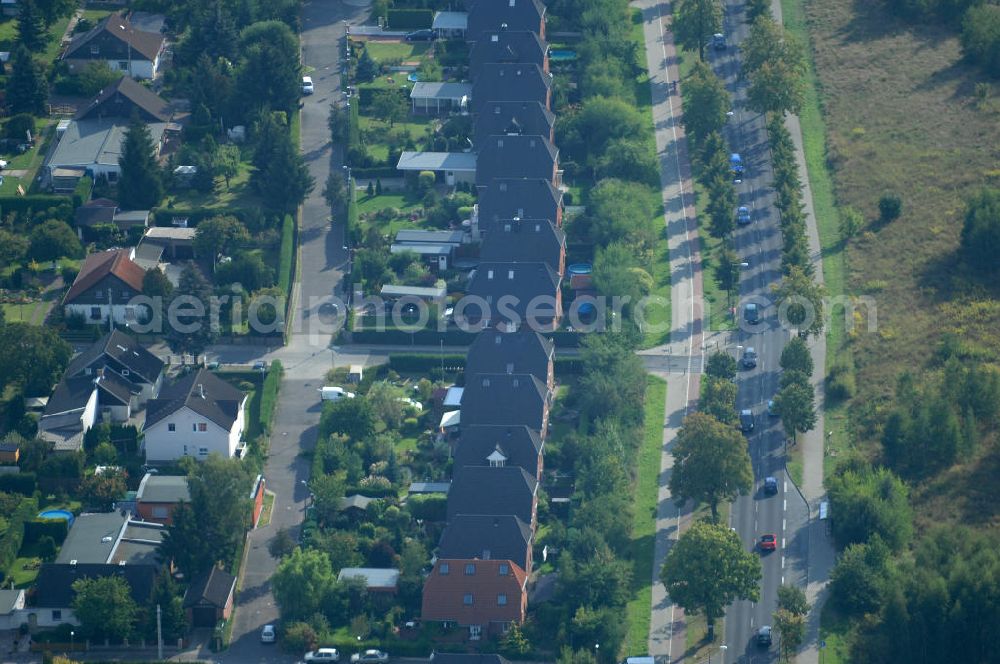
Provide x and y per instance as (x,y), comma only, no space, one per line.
(307,85)
(268,634)
(260,365)
(420,35)
(764,636)
(749,359)
(370,656)
(768,542)
(719,41)
(751,313)
(772,408)
(333,393)
(743,215)
(746,420)
(770,485)
(322,655)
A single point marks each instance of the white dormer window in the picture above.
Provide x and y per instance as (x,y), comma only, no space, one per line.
(494,38)
(489,274)
(510,274)
(496,459)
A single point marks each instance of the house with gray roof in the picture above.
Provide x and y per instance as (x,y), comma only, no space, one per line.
(491,15)
(506,400)
(521,198)
(435,98)
(511,46)
(158,496)
(196,416)
(513,118)
(497,445)
(509,156)
(487,537)
(484,490)
(504,81)
(53,595)
(521,351)
(524,240)
(510,295)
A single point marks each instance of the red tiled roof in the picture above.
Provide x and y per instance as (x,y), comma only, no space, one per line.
(444,594)
(99,265)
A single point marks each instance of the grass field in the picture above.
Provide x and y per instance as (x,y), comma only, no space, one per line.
(405,203)
(644,517)
(238,194)
(389,51)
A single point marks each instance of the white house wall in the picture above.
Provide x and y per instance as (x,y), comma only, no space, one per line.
(165,445)
(123,313)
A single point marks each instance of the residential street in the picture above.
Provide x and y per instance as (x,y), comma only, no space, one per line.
(307,357)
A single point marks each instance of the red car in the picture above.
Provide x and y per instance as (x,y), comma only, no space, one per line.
(768,542)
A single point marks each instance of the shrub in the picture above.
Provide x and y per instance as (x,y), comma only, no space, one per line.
(299,637)
(890,206)
(851,222)
(425,181)
(981,37)
(840,383)
(18,125)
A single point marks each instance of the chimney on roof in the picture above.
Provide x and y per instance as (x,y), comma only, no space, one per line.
(201,390)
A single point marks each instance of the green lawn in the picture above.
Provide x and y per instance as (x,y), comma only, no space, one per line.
(391,51)
(237,195)
(644,517)
(16,313)
(266,509)
(30,161)
(834,630)
(416,127)
(404,203)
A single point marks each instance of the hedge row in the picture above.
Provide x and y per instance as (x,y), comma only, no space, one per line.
(35,202)
(36,529)
(11,541)
(22,483)
(410,19)
(165,216)
(269,394)
(375,172)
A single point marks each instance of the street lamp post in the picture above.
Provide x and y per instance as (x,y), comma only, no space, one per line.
(72,640)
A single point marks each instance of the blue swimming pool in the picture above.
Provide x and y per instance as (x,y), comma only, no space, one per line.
(562,56)
(65,515)
(580,268)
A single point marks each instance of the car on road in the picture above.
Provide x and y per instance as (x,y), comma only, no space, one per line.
(719,41)
(772,408)
(420,35)
(768,542)
(307,85)
(770,485)
(268,634)
(751,313)
(322,655)
(370,656)
(749,359)
(743,215)
(763,637)
(746,420)
(736,166)
(334,393)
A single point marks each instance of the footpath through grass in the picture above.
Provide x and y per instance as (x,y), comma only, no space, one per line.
(644,517)
(658,318)
(838,352)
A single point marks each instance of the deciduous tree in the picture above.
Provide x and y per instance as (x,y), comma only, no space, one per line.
(981,232)
(796,404)
(711,462)
(103,490)
(706,102)
(32,356)
(189,324)
(301,582)
(52,240)
(695,21)
(105,608)
(800,301)
(721,365)
(708,568)
(795,356)
(389,106)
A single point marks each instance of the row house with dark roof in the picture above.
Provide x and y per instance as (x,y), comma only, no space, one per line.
(483,562)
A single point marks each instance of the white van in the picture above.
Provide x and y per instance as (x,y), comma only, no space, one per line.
(334,393)
(640,660)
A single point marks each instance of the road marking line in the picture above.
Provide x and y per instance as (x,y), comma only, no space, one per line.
(782,579)
(782,542)
(785,506)
(782,562)
(783,525)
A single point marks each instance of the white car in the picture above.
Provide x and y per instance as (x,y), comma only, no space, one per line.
(3,164)
(307,85)
(267,635)
(332,393)
(370,656)
(412,404)
(322,655)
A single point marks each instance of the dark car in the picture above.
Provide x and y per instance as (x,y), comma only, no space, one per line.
(736,165)
(749,359)
(743,215)
(746,420)
(751,313)
(719,41)
(770,485)
(420,35)
(764,636)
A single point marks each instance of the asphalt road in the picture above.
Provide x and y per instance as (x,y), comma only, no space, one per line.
(307,357)
(759,244)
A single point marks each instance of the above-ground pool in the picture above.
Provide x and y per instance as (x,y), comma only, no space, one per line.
(580,268)
(65,515)
(413,78)
(562,56)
